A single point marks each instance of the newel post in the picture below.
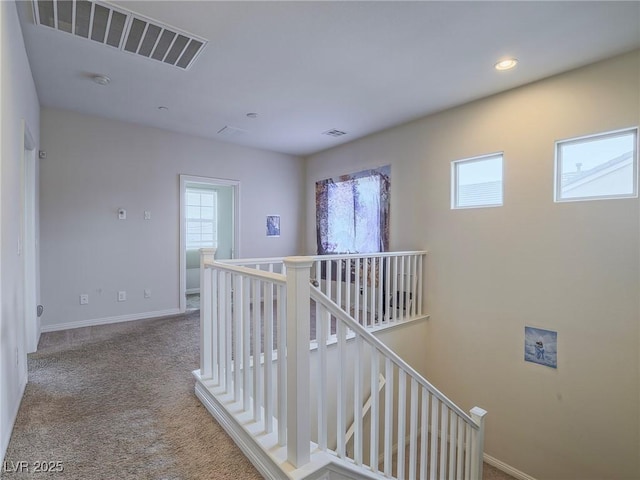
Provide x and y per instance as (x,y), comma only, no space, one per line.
(477,443)
(206,309)
(298,311)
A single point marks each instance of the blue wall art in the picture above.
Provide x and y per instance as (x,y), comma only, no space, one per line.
(541,346)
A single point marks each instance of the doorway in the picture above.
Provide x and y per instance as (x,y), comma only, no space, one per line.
(208,217)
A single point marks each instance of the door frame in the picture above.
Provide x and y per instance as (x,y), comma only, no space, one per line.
(210,182)
(28,234)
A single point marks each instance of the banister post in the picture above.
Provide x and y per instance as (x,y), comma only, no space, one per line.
(298,319)
(206,311)
(477,443)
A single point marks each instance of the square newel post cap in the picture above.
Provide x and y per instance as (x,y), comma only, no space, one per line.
(208,253)
(478,414)
(298,262)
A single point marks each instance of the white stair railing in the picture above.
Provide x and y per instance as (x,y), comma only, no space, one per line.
(377,289)
(256,327)
(414,431)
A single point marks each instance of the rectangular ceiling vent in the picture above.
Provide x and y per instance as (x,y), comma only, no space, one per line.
(121,29)
(231,132)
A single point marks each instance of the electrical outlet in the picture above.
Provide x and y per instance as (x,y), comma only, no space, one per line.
(84,299)
(147,293)
(122,296)
(122,214)
(147,215)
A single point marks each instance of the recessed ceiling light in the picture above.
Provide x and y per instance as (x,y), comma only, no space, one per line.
(163,108)
(101,79)
(506,64)
(252,115)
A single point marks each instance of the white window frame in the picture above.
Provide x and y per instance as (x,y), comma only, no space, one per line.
(454,180)
(213,222)
(557,173)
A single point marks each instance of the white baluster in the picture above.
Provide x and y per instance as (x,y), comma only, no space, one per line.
(365,292)
(347,272)
(435,403)
(338,297)
(375,412)
(323,319)
(413,429)
(268,355)
(421,274)
(388,417)
(460,449)
(222,338)
(356,293)
(357,402)
(237,326)
(229,322)
(403,296)
(342,389)
(467,455)
(388,295)
(395,294)
(444,433)
(372,281)
(424,431)
(402,415)
(414,284)
(257,337)
(246,344)
(380,282)
(452,446)
(282,366)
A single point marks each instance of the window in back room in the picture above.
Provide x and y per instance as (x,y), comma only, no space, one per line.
(202,223)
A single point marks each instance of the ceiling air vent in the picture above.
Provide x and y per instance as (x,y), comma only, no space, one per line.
(334,133)
(231,132)
(121,29)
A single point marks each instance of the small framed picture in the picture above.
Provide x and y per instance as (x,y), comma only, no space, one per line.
(541,346)
(273,225)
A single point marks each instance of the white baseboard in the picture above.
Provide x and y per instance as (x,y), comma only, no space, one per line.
(108,320)
(507,468)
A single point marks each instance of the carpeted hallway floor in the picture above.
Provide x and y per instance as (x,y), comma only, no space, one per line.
(117,401)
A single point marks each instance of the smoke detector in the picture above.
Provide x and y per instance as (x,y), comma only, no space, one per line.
(334,133)
(101,79)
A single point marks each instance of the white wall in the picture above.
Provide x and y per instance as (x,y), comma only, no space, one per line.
(19,102)
(94,166)
(570,267)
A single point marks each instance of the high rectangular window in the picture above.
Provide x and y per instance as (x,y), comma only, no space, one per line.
(477,182)
(597,167)
(202,218)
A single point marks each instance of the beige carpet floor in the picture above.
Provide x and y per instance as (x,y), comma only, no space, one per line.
(117,402)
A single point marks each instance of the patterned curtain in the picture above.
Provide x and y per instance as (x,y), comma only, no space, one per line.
(352,212)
